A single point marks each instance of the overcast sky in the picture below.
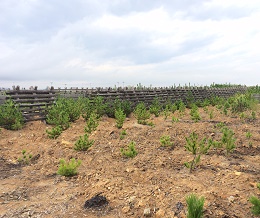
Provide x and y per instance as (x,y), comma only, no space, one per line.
(105,43)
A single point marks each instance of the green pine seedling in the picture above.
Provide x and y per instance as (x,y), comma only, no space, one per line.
(130,152)
(120,117)
(150,124)
(10,116)
(25,159)
(181,108)
(242,115)
(174,108)
(211,115)
(228,139)
(195,206)
(194,113)
(214,144)
(155,107)
(54,132)
(256,205)
(141,113)
(166,141)
(122,134)
(220,125)
(92,123)
(248,135)
(175,119)
(253,115)
(68,169)
(197,148)
(83,143)
(166,112)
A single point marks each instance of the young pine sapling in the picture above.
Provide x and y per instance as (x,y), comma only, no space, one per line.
(197,148)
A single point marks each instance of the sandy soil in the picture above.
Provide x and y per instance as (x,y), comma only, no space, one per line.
(155,179)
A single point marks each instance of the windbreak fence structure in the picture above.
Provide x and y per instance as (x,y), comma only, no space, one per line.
(35,103)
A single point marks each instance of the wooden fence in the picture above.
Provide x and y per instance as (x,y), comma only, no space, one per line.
(34,103)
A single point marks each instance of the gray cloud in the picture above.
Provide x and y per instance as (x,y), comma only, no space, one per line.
(218,13)
(124,7)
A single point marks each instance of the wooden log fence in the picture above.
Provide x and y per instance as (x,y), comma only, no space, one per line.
(34,103)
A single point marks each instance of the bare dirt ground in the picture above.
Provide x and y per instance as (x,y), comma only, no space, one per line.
(156,178)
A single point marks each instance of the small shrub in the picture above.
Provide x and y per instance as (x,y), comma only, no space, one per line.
(206,103)
(112,106)
(83,143)
(173,108)
(253,115)
(248,135)
(205,108)
(92,123)
(256,205)
(120,118)
(190,99)
(150,124)
(219,106)
(86,108)
(166,112)
(214,144)
(214,100)
(242,102)
(99,106)
(25,159)
(130,152)
(228,140)
(220,125)
(73,108)
(58,114)
(54,132)
(242,115)
(141,113)
(211,115)
(175,119)
(68,169)
(10,116)
(155,107)
(225,111)
(195,206)
(195,116)
(181,108)
(122,134)
(166,141)
(226,107)
(126,107)
(197,148)
(61,118)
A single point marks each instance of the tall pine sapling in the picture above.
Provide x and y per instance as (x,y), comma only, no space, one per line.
(228,139)
(120,117)
(197,148)
(195,206)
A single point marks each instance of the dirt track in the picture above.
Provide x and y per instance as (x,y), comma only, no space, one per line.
(156,178)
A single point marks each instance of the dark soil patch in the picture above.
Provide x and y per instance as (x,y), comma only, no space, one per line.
(8,169)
